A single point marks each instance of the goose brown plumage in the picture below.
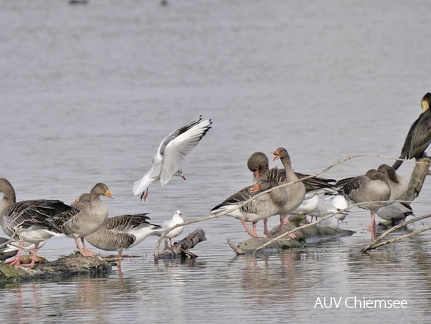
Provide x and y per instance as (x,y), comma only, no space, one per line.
(123,232)
(258,163)
(371,191)
(397,183)
(295,192)
(119,232)
(262,207)
(80,223)
(29,220)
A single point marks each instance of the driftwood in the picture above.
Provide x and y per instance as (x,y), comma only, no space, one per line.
(180,249)
(311,234)
(64,267)
(417,179)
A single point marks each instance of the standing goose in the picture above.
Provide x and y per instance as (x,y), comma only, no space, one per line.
(119,232)
(171,153)
(419,136)
(295,192)
(29,220)
(80,223)
(264,206)
(258,163)
(371,189)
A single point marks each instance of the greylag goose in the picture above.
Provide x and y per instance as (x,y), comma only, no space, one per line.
(371,190)
(397,183)
(176,219)
(29,220)
(295,192)
(419,135)
(258,163)
(122,232)
(80,223)
(171,153)
(262,207)
(119,232)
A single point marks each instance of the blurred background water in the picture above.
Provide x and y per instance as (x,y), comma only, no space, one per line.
(87,93)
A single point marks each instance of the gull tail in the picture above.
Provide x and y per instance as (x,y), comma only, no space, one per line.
(139,186)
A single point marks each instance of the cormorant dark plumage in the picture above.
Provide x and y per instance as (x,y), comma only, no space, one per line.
(419,136)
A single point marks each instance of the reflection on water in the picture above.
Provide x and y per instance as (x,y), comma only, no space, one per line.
(88,92)
(286,284)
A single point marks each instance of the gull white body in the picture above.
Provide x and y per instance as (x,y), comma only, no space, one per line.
(171,153)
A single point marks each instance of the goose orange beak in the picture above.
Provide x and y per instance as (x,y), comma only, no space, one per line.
(108,194)
(75,201)
(276,155)
(254,188)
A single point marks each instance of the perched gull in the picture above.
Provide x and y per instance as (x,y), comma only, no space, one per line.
(176,219)
(328,205)
(171,153)
(419,136)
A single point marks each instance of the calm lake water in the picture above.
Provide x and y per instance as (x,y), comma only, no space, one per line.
(87,92)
